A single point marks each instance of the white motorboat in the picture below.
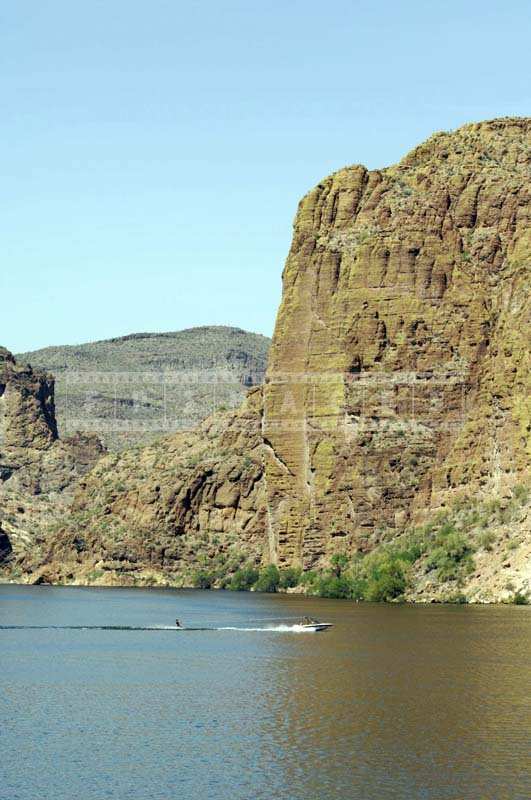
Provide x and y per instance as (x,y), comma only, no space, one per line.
(309,624)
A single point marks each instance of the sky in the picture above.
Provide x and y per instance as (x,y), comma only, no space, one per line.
(153,153)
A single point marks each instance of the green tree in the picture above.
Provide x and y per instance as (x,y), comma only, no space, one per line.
(243,579)
(269,579)
(289,577)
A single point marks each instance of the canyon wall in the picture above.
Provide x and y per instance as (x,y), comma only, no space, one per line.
(397,386)
(398,374)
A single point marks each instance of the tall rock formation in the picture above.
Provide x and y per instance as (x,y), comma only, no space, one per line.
(37,469)
(399,368)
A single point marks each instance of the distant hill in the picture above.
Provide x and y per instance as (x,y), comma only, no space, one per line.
(135,388)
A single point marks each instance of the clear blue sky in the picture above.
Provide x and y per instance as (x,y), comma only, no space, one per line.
(154,151)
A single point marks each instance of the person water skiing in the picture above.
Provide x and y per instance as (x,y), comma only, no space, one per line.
(178,624)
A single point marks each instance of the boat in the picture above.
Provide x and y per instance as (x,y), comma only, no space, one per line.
(309,624)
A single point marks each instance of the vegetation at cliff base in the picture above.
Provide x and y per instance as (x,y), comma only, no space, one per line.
(440,553)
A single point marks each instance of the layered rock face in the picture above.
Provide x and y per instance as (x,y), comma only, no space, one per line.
(37,470)
(161,512)
(397,383)
(398,372)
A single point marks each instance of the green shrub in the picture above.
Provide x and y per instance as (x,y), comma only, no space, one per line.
(358,588)
(308,578)
(458,598)
(408,549)
(386,580)
(243,579)
(486,540)
(452,557)
(203,579)
(289,577)
(339,563)
(519,599)
(94,574)
(521,493)
(333,586)
(446,530)
(268,580)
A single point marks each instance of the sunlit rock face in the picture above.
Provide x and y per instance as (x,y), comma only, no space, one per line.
(397,375)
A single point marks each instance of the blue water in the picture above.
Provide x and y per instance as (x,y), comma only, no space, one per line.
(394,702)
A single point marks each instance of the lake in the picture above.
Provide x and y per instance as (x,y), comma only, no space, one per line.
(395,701)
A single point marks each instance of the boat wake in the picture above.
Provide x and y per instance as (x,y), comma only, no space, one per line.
(270,629)
(262,629)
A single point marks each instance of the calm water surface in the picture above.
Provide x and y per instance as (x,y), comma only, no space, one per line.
(394,702)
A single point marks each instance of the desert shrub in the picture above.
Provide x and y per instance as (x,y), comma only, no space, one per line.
(243,579)
(224,581)
(519,599)
(471,519)
(386,579)
(358,588)
(339,563)
(458,598)
(445,530)
(203,579)
(521,493)
(308,578)
(268,580)
(333,586)
(451,557)
(486,540)
(289,577)
(95,574)
(409,549)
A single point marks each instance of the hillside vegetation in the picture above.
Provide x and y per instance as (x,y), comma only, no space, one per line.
(133,389)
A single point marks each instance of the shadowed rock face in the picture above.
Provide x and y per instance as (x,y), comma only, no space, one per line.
(5,546)
(37,470)
(32,458)
(405,313)
(397,380)
(27,414)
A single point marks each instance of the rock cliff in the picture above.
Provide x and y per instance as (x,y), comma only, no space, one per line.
(398,375)
(397,389)
(37,469)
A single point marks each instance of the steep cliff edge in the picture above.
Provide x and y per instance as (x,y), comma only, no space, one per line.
(396,394)
(398,375)
(37,469)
